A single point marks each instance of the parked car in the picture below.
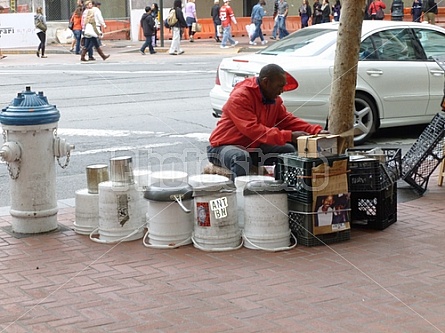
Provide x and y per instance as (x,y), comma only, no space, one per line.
(398,82)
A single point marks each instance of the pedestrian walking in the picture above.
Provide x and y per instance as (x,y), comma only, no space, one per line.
(190,18)
(257,19)
(156,15)
(430,10)
(375,10)
(336,8)
(283,10)
(76,18)
(326,12)
(275,20)
(305,12)
(175,46)
(91,35)
(227,18)
(148,27)
(40,25)
(214,13)
(416,10)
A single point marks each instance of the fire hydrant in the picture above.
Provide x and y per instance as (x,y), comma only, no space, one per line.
(30,146)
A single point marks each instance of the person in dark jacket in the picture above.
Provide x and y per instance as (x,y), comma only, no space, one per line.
(148,26)
(326,12)
(305,12)
(175,46)
(214,13)
(430,10)
(316,12)
(336,8)
(416,10)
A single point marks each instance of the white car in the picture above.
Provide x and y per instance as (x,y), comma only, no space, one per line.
(399,81)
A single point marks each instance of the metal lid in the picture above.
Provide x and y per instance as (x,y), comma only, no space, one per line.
(265,187)
(157,192)
(29,108)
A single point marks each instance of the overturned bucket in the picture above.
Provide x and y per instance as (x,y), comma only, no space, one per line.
(169,216)
(216,223)
(122,213)
(266,223)
(86,212)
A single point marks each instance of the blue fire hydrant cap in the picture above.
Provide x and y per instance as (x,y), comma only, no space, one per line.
(29,108)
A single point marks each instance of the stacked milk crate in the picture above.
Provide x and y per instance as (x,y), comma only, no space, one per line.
(373,185)
(318,197)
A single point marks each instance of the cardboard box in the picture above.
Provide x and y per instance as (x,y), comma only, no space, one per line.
(318,145)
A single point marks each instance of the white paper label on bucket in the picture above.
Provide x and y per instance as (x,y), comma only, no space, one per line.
(219,207)
(203,214)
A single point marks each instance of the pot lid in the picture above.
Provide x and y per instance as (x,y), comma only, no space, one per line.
(156,192)
(265,187)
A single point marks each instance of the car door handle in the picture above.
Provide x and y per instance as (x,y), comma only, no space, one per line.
(435,72)
(374,72)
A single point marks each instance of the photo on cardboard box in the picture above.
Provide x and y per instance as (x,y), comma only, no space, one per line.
(332,213)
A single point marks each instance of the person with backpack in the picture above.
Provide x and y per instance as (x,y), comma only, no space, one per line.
(430,10)
(375,10)
(175,47)
(40,25)
(148,27)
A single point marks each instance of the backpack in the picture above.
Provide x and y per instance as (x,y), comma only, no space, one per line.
(380,14)
(171,19)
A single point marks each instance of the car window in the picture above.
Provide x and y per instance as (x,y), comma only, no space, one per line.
(304,43)
(390,45)
(433,42)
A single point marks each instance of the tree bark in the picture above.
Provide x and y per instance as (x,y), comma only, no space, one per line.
(341,109)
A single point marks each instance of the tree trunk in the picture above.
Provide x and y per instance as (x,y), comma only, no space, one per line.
(341,111)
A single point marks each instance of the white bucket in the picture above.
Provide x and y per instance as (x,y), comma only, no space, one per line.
(169,216)
(86,212)
(142,178)
(240,183)
(122,213)
(216,223)
(266,222)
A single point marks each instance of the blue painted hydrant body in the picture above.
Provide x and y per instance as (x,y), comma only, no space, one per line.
(31,144)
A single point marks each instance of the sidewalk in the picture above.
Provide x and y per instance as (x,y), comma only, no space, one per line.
(378,281)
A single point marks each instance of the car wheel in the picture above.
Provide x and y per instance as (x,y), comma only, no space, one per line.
(365,118)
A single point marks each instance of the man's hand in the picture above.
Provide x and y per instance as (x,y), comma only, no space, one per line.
(296,134)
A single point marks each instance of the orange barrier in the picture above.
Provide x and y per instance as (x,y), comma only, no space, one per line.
(208,29)
(117,30)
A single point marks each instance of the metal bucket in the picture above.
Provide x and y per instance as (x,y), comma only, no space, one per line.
(240,184)
(96,173)
(216,223)
(86,212)
(122,213)
(168,216)
(266,222)
(121,171)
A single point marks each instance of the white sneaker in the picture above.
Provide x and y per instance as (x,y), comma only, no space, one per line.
(252,43)
(224,46)
(264,42)
(236,43)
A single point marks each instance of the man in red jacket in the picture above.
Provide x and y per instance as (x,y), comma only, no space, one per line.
(255,126)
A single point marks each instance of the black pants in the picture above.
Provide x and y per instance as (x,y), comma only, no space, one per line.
(42,37)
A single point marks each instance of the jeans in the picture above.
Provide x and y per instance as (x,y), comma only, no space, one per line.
(239,161)
(282,26)
(258,32)
(275,29)
(227,36)
(148,43)
(78,35)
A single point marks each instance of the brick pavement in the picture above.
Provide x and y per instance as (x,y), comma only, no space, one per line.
(378,281)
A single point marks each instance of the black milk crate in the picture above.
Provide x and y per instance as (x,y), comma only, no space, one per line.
(425,154)
(386,171)
(296,172)
(301,224)
(374,210)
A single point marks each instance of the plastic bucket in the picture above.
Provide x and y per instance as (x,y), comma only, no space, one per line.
(122,213)
(216,222)
(86,212)
(266,222)
(240,184)
(169,216)
(169,179)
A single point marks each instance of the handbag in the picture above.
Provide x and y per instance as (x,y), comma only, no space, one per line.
(70,25)
(196,27)
(40,25)
(89,31)
(380,14)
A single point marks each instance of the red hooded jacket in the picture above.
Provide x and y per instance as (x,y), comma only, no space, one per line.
(248,122)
